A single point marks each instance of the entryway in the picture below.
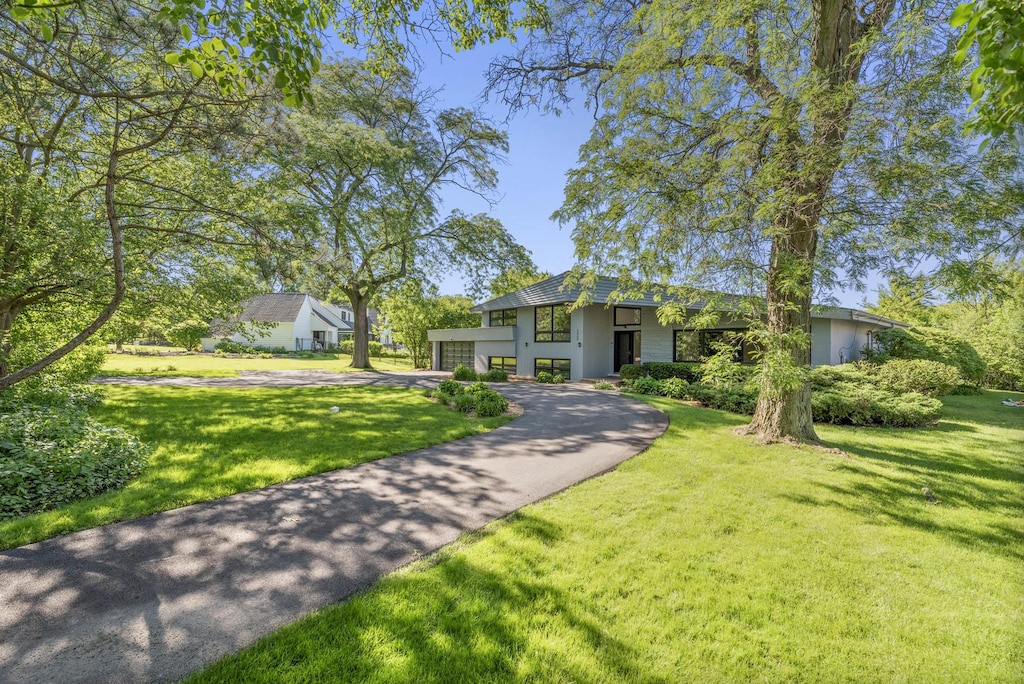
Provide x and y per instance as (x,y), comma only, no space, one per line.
(625,349)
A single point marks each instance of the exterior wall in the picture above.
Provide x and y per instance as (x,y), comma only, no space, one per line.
(598,343)
(302,327)
(278,336)
(821,342)
(484,350)
(848,339)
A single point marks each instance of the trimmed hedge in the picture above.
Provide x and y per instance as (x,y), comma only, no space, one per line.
(661,370)
(53,453)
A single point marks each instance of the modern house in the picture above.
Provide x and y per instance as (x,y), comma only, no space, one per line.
(291,320)
(531,330)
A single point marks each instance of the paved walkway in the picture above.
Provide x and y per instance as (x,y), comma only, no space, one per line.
(153,599)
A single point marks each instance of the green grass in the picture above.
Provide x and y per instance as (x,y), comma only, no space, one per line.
(209,443)
(222,366)
(709,559)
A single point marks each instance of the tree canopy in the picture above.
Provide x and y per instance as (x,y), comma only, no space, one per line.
(773,149)
(367,161)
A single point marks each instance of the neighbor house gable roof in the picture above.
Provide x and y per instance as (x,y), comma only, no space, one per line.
(551,291)
(278,307)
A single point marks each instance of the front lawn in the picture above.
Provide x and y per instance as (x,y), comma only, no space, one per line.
(209,443)
(709,559)
(223,366)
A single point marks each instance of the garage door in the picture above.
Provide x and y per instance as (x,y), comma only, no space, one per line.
(454,353)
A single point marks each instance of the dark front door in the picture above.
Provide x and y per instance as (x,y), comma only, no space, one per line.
(623,349)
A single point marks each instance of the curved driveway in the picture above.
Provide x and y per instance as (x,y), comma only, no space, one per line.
(155,598)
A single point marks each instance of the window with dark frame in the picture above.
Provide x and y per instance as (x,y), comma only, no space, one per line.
(502,318)
(554,366)
(697,345)
(505,363)
(626,315)
(552,324)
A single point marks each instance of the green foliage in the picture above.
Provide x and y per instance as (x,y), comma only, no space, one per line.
(465,402)
(720,369)
(930,344)
(187,334)
(476,398)
(545,377)
(740,399)
(848,404)
(375,348)
(604,385)
(823,377)
(415,308)
(494,375)
(660,370)
(993,30)
(53,453)
(346,346)
(463,373)
(645,385)
(673,388)
(930,378)
(513,279)
(450,387)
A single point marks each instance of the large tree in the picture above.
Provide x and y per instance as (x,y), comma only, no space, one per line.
(415,308)
(771,148)
(115,169)
(369,157)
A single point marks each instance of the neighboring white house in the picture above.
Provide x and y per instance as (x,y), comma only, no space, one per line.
(294,321)
(530,330)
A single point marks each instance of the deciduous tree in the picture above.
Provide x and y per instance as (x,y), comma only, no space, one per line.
(370,157)
(771,148)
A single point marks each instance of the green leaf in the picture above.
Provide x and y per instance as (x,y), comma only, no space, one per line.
(196,69)
(961,15)
(281,80)
(186,32)
(47,32)
(172,58)
(20,13)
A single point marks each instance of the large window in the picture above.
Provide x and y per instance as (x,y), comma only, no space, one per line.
(553,366)
(505,363)
(627,315)
(502,317)
(552,324)
(697,345)
(456,353)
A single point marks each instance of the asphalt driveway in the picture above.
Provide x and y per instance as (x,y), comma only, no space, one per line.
(155,598)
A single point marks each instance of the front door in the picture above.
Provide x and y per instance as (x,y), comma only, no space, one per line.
(623,349)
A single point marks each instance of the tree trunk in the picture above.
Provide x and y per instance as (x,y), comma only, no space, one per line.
(360,334)
(783,411)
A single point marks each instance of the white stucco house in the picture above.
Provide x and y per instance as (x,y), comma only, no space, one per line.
(530,330)
(286,319)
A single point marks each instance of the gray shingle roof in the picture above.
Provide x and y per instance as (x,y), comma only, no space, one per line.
(551,291)
(281,307)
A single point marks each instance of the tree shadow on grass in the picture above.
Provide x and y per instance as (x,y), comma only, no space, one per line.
(450,620)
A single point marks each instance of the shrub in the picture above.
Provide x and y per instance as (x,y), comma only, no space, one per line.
(646,385)
(450,387)
(188,334)
(557,378)
(347,347)
(661,370)
(465,402)
(824,377)
(930,344)
(376,349)
(53,453)
(674,388)
(490,407)
(604,385)
(720,369)
(850,404)
(734,398)
(494,375)
(545,377)
(462,372)
(930,378)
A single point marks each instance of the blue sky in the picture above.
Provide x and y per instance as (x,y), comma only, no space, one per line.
(543,148)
